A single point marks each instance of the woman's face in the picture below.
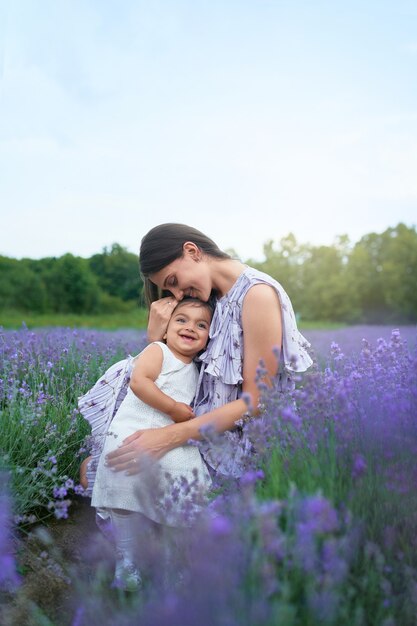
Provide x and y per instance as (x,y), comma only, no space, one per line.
(187,276)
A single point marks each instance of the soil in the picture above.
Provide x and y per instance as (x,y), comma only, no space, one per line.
(52,560)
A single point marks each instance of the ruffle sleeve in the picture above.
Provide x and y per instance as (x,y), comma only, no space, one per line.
(294,345)
(223,357)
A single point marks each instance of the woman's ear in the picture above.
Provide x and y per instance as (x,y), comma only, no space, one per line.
(192,250)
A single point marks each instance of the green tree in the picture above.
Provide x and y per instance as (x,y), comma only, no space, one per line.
(20,287)
(383,268)
(72,287)
(283,261)
(326,289)
(399,272)
(117,272)
(364,271)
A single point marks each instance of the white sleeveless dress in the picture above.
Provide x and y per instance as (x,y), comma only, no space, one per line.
(161,491)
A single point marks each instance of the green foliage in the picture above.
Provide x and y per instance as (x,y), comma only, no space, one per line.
(107,283)
(373,281)
(42,435)
(370,502)
(117,273)
(325,294)
(20,286)
(315,277)
(385,269)
(284,262)
(72,287)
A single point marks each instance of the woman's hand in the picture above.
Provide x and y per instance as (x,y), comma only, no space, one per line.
(159,316)
(152,443)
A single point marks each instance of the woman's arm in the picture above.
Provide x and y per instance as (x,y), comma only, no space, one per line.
(262,331)
(146,370)
(262,336)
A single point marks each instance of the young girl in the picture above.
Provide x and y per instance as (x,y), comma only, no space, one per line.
(162,385)
(253,321)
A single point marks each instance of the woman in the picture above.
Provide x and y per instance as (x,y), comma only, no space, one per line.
(253,322)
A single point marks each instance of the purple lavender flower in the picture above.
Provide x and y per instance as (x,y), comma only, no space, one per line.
(359,466)
(221,525)
(251,477)
(317,512)
(60,492)
(8,575)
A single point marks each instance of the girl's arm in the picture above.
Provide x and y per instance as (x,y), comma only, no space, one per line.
(262,331)
(146,370)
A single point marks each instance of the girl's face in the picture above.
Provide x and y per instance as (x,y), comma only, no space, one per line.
(187,276)
(188,330)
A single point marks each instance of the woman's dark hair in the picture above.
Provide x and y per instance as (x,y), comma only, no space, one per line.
(163,244)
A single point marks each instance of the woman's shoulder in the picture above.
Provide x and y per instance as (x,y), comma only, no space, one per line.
(255,276)
(249,277)
(261,289)
(259,295)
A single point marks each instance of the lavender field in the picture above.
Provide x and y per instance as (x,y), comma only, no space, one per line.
(321,529)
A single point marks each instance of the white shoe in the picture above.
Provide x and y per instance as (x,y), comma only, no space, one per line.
(127,576)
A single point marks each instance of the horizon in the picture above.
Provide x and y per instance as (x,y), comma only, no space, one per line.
(107,247)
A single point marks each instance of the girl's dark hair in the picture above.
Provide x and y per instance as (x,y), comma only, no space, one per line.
(163,244)
(209,305)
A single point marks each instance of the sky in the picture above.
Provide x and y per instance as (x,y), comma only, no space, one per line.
(247,119)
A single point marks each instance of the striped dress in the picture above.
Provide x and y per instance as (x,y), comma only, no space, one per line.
(221,377)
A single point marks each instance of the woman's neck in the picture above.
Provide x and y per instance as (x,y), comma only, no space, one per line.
(224,273)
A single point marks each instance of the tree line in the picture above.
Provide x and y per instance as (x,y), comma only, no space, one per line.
(372,281)
(104,283)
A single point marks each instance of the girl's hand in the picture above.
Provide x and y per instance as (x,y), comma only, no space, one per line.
(159,316)
(152,442)
(181,412)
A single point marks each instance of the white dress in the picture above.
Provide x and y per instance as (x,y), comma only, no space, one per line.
(163,490)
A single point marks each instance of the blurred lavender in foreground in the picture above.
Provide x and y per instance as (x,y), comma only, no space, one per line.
(314,531)
(9,579)
(320,530)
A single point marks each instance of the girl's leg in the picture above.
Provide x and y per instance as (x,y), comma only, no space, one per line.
(126,526)
(171,545)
